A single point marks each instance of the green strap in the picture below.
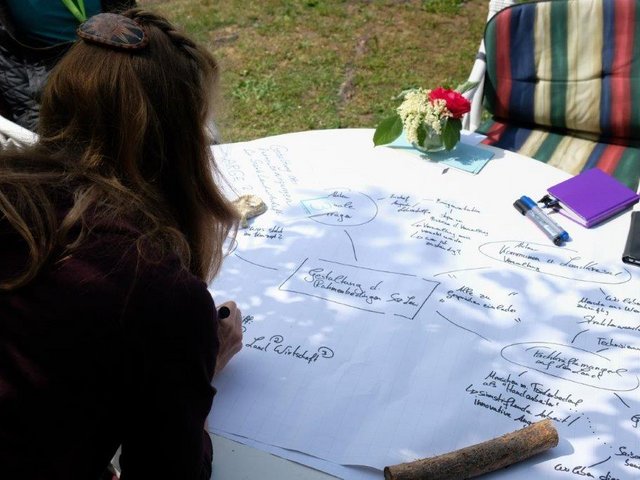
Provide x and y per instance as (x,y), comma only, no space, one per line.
(82,10)
(76,7)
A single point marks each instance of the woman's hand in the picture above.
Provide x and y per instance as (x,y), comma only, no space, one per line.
(229,333)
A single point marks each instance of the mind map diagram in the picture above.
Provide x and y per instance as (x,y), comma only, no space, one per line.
(556,331)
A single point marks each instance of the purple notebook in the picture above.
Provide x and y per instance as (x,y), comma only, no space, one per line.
(591,197)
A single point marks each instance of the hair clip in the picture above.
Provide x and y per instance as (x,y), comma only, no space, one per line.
(114,30)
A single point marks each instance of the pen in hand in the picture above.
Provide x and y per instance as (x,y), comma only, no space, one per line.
(530,209)
(229,334)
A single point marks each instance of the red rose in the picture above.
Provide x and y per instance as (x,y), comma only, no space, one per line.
(456,103)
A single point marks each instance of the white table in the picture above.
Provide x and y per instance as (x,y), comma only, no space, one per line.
(508,176)
(235,461)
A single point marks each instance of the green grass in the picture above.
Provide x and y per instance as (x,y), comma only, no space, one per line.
(297,65)
(442,6)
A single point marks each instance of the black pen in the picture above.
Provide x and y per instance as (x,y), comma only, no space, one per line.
(223,312)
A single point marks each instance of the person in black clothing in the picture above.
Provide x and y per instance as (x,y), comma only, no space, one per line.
(27,55)
(111,227)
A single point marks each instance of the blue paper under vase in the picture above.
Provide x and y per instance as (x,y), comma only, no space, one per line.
(469,158)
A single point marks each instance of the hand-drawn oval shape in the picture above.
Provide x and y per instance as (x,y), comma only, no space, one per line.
(555,261)
(573,364)
(341,208)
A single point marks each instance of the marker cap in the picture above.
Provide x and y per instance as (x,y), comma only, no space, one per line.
(521,206)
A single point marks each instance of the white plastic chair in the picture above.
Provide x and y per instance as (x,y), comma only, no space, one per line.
(13,135)
(471,121)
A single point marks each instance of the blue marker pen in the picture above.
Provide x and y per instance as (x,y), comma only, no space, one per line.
(533,212)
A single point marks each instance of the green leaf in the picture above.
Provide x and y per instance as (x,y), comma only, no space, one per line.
(403,94)
(451,132)
(422,134)
(388,130)
(466,86)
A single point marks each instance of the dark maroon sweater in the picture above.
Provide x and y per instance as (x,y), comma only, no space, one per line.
(103,349)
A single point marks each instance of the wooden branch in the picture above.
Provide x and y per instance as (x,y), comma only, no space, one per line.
(481,458)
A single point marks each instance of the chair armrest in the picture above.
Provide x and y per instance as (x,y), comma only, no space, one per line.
(13,134)
(471,121)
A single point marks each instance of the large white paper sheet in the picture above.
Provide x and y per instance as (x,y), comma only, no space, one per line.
(393,311)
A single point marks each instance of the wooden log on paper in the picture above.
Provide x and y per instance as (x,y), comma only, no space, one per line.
(481,458)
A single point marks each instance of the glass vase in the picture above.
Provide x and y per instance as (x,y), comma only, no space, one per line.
(432,141)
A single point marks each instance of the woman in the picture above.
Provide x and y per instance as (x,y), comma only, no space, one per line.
(110,227)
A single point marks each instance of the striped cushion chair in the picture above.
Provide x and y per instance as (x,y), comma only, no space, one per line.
(563,84)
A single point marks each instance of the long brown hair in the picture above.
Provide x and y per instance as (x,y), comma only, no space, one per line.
(122,134)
